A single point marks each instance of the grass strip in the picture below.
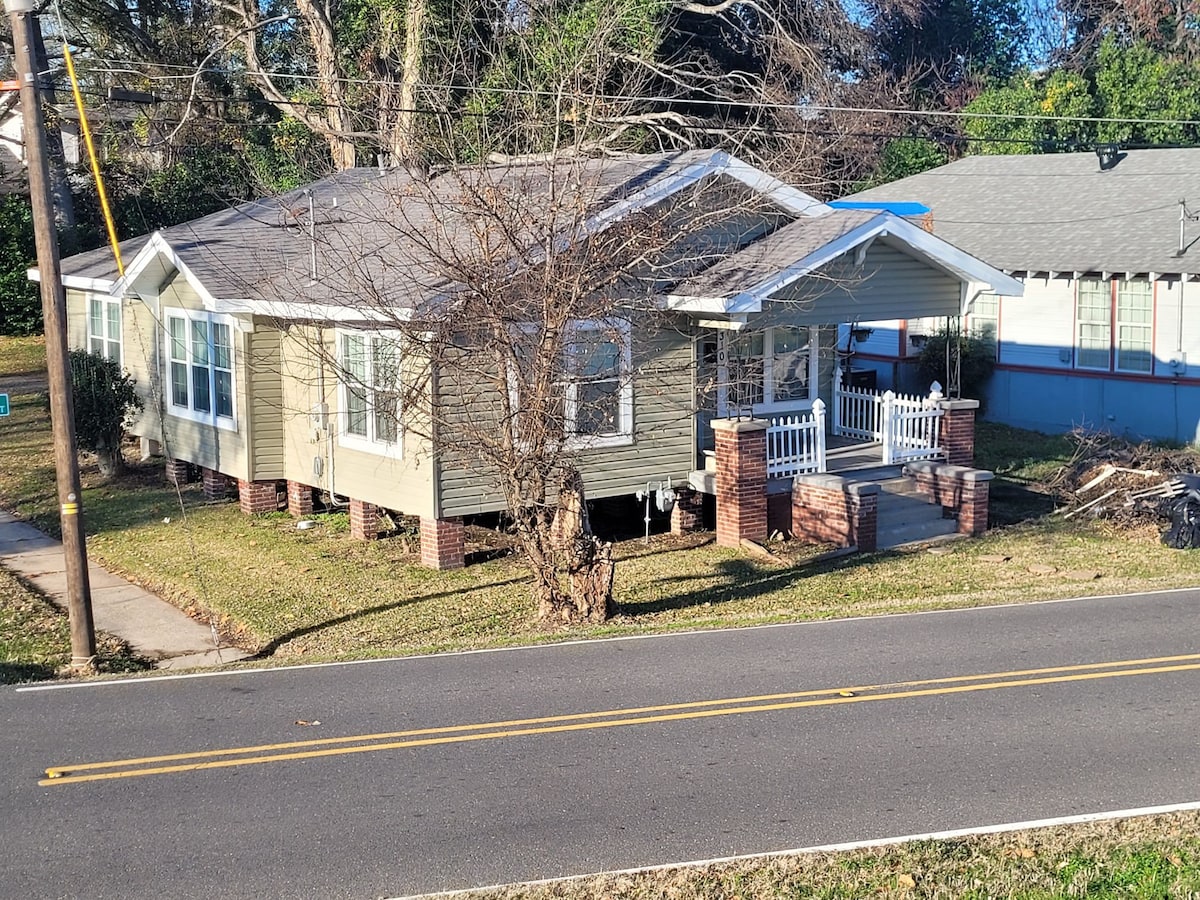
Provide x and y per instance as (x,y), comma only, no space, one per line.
(1134,858)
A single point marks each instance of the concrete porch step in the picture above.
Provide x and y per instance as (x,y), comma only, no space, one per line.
(911,533)
(895,510)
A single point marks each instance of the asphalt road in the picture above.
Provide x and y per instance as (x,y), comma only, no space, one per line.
(454,771)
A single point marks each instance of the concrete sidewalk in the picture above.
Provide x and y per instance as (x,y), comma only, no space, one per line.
(153,628)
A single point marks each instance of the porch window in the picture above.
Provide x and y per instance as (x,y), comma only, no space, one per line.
(1093,317)
(200,360)
(104,327)
(769,368)
(369,387)
(1135,325)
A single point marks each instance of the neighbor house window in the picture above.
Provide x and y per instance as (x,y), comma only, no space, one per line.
(765,368)
(1135,326)
(1115,325)
(369,380)
(200,360)
(104,327)
(984,320)
(597,390)
(1093,323)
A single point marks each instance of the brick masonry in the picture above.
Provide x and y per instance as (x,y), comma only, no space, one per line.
(216,485)
(443,543)
(958,431)
(688,513)
(364,520)
(962,491)
(828,510)
(741,480)
(299,499)
(258,496)
(177,471)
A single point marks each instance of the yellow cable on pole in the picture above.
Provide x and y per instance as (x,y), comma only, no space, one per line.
(91,149)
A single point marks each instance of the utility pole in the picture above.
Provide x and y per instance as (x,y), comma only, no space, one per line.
(54,312)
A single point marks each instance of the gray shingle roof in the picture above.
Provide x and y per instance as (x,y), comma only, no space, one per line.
(1061,212)
(767,257)
(364,223)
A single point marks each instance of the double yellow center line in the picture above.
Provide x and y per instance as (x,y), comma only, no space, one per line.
(613,718)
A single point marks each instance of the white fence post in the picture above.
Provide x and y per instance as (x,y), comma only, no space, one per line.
(887,427)
(819,417)
(837,400)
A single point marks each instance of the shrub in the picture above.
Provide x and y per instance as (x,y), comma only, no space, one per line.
(977,361)
(105,403)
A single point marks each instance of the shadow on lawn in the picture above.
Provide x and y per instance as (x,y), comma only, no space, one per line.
(272,648)
(743,579)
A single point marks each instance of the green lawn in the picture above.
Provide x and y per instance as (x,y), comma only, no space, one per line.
(22,355)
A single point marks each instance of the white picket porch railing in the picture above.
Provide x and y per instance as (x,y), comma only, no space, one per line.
(906,425)
(796,445)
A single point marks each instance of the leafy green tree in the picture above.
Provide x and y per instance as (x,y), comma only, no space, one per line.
(20,299)
(1025,115)
(105,400)
(902,157)
(1138,82)
(976,361)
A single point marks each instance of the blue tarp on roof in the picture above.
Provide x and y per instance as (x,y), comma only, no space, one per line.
(896,207)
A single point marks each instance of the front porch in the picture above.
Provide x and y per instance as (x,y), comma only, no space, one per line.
(903,473)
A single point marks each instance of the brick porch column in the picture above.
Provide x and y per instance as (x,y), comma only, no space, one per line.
(300,499)
(688,513)
(364,520)
(741,480)
(443,543)
(176,471)
(257,496)
(958,431)
(973,505)
(216,485)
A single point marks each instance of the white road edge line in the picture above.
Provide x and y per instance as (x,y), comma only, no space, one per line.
(835,848)
(155,679)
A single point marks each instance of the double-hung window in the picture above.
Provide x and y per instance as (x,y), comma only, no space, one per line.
(200,363)
(104,327)
(984,320)
(1115,325)
(369,384)
(1135,326)
(597,390)
(1093,323)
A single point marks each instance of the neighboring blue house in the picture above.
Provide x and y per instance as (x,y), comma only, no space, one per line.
(1107,335)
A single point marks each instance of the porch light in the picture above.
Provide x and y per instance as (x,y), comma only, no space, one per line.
(860,334)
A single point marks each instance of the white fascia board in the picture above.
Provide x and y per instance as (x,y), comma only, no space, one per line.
(699,305)
(75,282)
(792,199)
(949,257)
(311,312)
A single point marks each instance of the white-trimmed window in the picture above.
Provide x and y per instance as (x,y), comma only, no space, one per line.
(1135,326)
(765,370)
(1093,324)
(1115,325)
(984,320)
(200,364)
(597,388)
(104,327)
(369,389)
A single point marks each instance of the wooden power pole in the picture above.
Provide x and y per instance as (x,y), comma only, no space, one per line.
(54,312)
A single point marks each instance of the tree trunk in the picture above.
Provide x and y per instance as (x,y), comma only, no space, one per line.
(109,459)
(403,142)
(587,561)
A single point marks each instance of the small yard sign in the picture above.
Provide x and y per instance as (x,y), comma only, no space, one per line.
(3,404)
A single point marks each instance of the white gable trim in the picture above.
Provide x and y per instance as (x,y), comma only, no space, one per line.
(968,269)
(155,247)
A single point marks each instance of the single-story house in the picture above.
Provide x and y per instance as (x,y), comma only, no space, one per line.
(1107,335)
(230,324)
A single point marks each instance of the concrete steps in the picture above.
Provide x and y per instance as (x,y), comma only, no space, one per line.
(906,516)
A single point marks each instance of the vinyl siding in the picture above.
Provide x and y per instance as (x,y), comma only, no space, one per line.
(662,445)
(264,426)
(308,377)
(889,284)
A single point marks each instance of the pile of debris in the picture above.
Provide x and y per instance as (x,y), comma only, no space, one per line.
(1130,484)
